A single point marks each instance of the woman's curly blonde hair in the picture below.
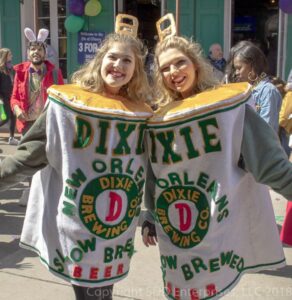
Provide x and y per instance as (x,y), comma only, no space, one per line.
(205,77)
(4,52)
(88,77)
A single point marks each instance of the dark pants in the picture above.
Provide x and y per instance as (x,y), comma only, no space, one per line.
(10,117)
(87,293)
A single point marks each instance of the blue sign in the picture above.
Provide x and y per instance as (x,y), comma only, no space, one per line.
(88,43)
(244,24)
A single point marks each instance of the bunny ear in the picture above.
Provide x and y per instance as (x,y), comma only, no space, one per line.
(29,34)
(42,35)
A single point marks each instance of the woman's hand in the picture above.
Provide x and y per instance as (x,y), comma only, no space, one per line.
(149,234)
(19,113)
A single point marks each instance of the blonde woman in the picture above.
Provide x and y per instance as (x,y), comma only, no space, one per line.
(186,55)
(6,85)
(100,74)
(84,204)
(209,151)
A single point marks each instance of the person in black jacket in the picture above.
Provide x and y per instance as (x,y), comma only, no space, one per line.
(6,85)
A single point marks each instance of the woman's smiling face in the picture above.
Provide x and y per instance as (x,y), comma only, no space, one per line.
(117,67)
(178,71)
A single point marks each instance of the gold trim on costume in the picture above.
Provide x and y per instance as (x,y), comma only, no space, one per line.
(221,97)
(74,96)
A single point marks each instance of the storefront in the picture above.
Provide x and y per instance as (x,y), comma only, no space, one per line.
(208,21)
(15,15)
(260,22)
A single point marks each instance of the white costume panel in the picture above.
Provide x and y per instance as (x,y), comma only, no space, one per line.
(214,222)
(84,206)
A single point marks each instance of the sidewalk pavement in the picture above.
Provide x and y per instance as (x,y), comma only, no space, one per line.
(4,129)
(23,277)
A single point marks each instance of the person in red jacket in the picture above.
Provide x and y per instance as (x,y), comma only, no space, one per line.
(32,79)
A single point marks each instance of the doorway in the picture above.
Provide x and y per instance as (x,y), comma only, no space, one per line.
(147,12)
(258,22)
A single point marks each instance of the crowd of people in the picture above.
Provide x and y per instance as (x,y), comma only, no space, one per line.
(99,146)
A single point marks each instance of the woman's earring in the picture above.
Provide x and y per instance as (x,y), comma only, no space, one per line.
(249,77)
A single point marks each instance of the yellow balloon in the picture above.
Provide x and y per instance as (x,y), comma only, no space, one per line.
(92,8)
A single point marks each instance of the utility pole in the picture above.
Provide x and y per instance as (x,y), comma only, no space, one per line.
(177,19)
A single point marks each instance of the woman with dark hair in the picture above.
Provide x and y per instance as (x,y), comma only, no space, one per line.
(6,84)
(229,70)
(250,64)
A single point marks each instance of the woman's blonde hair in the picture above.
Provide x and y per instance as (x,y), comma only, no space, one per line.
(89,77)
(4,52)
(204,71)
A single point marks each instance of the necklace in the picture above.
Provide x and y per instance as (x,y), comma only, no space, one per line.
(35,82)
(258,80)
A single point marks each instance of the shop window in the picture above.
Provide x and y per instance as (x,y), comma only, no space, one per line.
(43,16)
(51,15)
(62,37)
(147,12)
(257,21)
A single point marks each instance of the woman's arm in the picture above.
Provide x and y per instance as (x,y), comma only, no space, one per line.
(148,226)
(29,157)
(149,194)
(263,155)
(270,104)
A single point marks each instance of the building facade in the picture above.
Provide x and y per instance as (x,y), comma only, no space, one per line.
(207,21)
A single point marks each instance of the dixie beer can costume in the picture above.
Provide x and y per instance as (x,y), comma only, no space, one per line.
(213,221)
(82,216)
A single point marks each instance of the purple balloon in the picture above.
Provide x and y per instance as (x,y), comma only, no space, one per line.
(76,7)
(286,6)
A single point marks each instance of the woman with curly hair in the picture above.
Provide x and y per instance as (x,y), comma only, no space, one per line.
(95,76)
(84,203)
(210,156)
(187,54)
